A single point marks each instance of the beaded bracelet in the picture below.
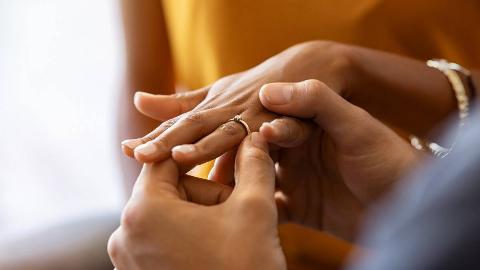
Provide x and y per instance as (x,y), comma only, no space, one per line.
(451,71)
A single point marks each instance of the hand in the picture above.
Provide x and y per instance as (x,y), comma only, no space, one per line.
(393,88)
(198,120)
(333,168)
(196,224)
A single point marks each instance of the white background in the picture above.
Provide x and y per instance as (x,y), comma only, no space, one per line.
(61,71)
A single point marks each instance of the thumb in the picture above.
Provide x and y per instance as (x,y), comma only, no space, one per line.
(254,169)
(156,179)
(315,100)
(286,131)
(164,107)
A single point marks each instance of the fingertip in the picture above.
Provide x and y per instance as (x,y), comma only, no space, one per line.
(262,94)
(149,152)
(159,107)
(276,94)
(128,151)
(141,157)
(269,132)
(183,153)
(138,98)
(129,145)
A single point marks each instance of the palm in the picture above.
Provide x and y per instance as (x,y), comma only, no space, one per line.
(329,186)
(316,194)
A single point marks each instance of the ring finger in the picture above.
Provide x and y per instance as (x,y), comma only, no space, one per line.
(188,129)
(223,139)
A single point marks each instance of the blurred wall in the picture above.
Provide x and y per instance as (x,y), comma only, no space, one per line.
(61,71)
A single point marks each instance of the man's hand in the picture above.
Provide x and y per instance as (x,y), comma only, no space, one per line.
(196,224)
(331,168)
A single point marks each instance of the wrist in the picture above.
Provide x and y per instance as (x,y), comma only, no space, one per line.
(327,61)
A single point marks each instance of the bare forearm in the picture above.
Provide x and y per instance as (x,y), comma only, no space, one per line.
(149,69)
(149,64)
(401,91)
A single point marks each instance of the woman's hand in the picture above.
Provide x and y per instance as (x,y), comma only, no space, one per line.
(198,224)
(198,120)
(332,168)
(400,91)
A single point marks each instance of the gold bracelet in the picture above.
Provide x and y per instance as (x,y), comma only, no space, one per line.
(463,103)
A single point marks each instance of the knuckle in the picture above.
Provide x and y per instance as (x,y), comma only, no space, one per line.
(133,218)
(313,90)
(168,124)
(162,143)
(159,130)
(194,118)
(230,128)
(314,87)
(113,246)
(259,157)
(147,138)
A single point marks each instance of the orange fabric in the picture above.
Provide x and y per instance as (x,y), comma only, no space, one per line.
(310,249)
(214,38)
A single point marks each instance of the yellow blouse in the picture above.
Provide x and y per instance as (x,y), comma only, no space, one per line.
(213,38)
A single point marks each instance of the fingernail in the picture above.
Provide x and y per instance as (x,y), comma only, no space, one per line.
(146,149)
(277,94)
(131,143)
(185,149)
(270,127)
(278,127)
(137,96)
(258,140)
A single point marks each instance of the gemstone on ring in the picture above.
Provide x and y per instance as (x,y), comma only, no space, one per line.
(238,118)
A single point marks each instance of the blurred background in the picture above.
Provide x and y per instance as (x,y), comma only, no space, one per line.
(61,71)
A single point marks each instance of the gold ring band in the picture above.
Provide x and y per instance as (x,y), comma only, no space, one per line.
(238,119)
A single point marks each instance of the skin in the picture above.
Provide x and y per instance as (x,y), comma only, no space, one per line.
(395,89)
(145,42)
(179,222)
(218,230)
(331,171)
(332,165)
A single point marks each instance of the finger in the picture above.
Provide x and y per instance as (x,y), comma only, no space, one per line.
(223,139)
(188,129)
(202,191)
(223,168)
(254,169)
(163,107)
(157,179)
(313,99)
(286,131)
(128,146)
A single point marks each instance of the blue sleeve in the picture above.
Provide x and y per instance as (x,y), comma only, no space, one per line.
(433,220)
